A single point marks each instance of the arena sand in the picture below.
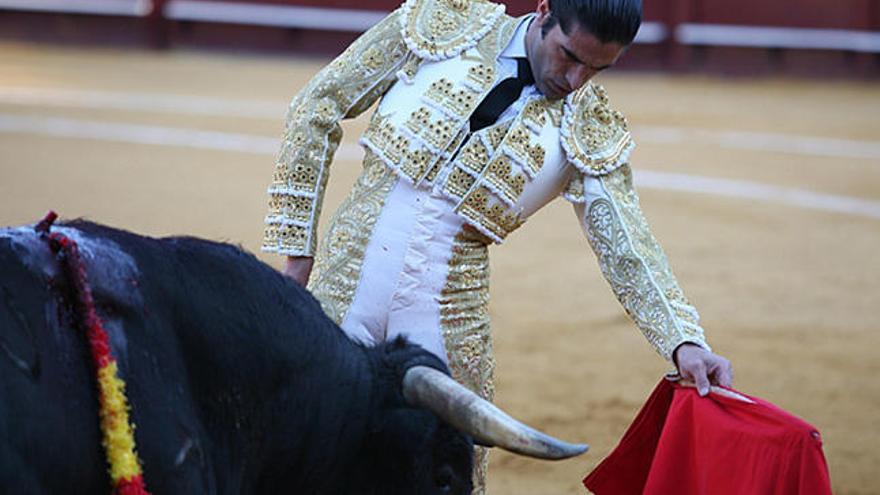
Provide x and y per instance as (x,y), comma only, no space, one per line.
(788,293)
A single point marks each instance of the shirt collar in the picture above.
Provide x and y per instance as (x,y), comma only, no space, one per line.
(517,46)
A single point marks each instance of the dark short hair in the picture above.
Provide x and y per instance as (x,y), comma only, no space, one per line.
(611,21)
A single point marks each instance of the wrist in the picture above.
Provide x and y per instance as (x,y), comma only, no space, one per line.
(298,268)
(681,346)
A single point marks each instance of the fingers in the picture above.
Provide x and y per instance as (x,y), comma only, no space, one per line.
(701,379)
(696,371)
(704,368)
(720,371)
(725,374)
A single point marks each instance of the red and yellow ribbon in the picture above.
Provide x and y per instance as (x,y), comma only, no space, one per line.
(116,427)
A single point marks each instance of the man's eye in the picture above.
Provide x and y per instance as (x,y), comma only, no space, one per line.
(571,58)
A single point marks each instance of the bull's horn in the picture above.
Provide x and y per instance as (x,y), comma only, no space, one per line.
(490,426)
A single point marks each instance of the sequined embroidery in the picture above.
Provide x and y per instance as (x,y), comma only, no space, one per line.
(406,153)
(636,267)
(481,77)
(502,171)
(442,29)
(459,182)
(534,114)
(464,321)
(296,208)
(518,146)
(503,180)
(287,234)
(456,103)
(574,188)
(436,133)
(595,137)
(489,217)
(496,134)
(474,156)
(409,69)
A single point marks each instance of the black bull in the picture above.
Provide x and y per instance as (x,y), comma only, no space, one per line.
(237,380)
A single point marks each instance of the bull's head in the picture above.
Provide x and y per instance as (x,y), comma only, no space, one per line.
(423,445)
(422,427)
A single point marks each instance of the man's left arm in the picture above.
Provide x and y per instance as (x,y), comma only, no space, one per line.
(638,271)
(597,142)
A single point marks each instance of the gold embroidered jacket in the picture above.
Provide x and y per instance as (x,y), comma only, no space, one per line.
(431,62)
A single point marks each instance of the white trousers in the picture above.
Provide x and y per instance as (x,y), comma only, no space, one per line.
(404,270)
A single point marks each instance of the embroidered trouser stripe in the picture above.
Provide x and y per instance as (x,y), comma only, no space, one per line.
(464,319)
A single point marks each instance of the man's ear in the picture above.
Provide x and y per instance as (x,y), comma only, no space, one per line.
(543,10)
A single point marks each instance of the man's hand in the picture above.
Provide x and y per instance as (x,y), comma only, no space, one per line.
(298,268)
(703,367)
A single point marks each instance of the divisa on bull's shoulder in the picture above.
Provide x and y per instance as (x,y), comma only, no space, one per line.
(595,137)
(442,29)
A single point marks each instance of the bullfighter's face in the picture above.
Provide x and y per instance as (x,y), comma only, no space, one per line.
(563,62)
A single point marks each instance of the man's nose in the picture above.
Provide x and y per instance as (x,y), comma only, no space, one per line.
(578,76)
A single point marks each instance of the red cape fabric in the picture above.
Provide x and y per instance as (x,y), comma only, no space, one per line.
(684,444)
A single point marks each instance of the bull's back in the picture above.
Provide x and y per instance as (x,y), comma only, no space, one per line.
(216,349)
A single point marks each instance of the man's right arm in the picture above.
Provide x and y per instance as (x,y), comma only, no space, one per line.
(345,88)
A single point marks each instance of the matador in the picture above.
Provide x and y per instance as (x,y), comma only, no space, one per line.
(482,119)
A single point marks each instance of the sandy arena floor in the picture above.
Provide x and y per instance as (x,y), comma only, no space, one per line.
(765,194)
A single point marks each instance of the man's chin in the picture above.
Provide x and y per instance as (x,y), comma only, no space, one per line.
(550,92)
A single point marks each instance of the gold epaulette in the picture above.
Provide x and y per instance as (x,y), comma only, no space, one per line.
(595,137)
(442,29)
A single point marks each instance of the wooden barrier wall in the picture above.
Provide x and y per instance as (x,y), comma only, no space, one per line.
(809,37)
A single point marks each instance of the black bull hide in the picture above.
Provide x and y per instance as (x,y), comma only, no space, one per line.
(237,381)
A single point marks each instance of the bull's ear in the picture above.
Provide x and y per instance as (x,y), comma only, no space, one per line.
(488,425)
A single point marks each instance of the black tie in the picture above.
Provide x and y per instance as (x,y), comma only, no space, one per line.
(501,96)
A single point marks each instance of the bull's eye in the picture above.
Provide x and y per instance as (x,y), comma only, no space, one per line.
(443,479)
